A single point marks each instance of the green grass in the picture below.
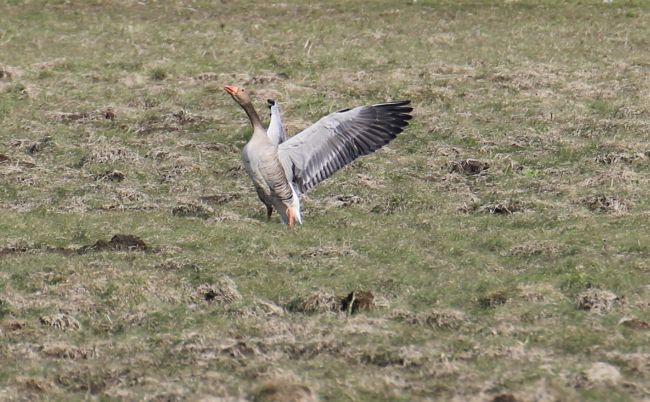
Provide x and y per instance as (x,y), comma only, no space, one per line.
(469,305)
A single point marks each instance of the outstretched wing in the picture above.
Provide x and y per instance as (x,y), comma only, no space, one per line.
(276,132)
(339,138)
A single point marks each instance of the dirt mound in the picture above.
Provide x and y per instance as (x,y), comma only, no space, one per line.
(283,391)
(356,301)
(504,398)
(119,242)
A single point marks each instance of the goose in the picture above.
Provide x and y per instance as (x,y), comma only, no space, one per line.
(283,168)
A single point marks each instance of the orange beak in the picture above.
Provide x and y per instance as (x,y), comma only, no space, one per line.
(231,89)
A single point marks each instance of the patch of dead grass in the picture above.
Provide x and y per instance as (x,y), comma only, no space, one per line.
(610,158)
(339,201)
(37,384)
(605,204)
(535,248)
(224,291)
(493,208)
(61,321)
(468,167)
(193,210)
(111,175)
(317,302)
(599,374)
(104,153)
(435,318)
(62,350)
(107,113)
(597,301)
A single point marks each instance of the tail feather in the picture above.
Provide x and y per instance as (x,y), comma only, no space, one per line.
(295,204)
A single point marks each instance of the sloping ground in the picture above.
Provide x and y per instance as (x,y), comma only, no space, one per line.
(497,250)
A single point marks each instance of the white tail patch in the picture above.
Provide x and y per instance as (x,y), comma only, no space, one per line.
(295,205)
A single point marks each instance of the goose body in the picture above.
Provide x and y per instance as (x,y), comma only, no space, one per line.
(283,168)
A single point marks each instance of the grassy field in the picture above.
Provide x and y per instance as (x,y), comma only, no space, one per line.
(497,250)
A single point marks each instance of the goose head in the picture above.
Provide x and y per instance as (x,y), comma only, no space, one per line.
(238,94)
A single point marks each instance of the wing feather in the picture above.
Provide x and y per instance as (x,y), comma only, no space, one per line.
(339,138)
(276,132)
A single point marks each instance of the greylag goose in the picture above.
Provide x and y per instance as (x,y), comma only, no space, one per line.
(283,168)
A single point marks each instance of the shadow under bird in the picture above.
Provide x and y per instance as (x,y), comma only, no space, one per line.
(283,168)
